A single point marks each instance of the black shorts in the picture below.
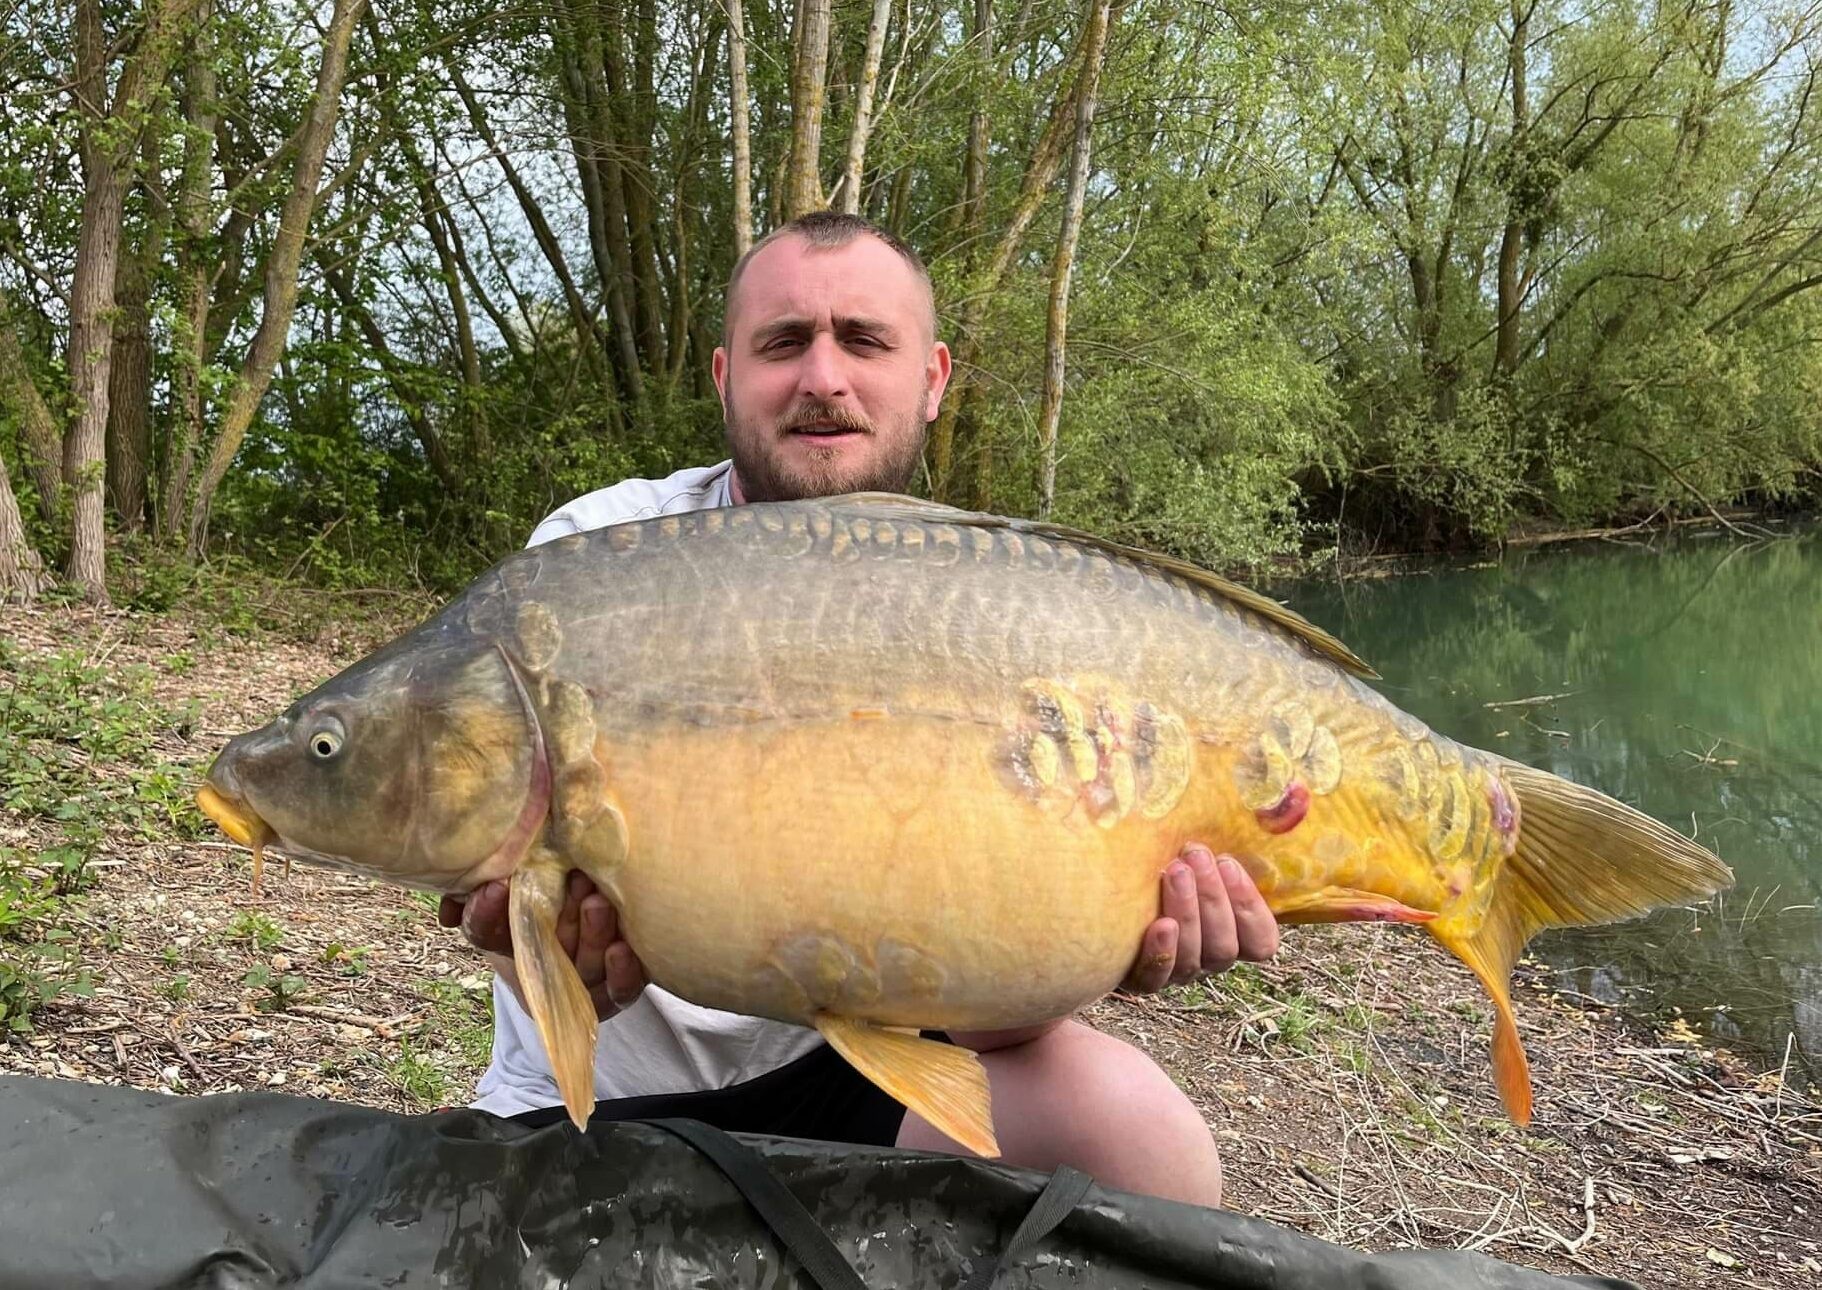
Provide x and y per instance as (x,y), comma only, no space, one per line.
(815,1096)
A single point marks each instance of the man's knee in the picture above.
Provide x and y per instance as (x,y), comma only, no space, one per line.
(1080,1097)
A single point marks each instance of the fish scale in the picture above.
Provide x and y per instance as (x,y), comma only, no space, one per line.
(874,765)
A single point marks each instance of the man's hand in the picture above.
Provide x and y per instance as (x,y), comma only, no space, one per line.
(1213,916)
(588,927)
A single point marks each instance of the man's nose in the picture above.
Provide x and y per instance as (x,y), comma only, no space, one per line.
(823,372)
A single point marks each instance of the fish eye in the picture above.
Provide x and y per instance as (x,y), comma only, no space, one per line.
(326,739)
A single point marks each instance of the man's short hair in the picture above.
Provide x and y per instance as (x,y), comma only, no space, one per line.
(828,229)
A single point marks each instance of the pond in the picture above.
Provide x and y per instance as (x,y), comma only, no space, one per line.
(1682,676)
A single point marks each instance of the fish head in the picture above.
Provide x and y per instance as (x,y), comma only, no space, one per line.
(421,765)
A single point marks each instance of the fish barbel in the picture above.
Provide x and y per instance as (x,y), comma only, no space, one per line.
(874,765)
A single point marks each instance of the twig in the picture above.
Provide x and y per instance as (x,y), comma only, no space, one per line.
(1695,492)
(1309,1176)
(1575,1246)
(1535,698)
(184,1053)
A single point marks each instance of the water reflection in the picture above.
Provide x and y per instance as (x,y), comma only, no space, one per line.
(1683,677)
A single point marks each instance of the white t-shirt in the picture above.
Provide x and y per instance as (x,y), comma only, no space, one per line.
(662,1044)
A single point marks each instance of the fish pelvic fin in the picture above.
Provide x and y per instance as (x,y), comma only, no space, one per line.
(944,1083)
(554,993)
(1581,858)
(1346,905)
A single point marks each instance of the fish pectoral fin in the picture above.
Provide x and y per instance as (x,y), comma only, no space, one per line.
(554,993)
(1346,905)
(944,1083)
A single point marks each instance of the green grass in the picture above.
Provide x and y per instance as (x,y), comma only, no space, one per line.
(416,1076)
(79,752)
(462,1020)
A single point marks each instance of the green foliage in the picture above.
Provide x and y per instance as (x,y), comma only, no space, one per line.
(1285,328)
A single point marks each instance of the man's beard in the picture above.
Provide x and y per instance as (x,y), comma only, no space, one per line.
(765,477)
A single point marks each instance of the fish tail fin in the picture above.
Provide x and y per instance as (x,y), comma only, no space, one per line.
(1581,858)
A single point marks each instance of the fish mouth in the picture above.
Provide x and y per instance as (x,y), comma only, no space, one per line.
(240,822)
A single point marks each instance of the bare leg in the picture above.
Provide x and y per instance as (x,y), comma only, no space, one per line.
(1078,1097)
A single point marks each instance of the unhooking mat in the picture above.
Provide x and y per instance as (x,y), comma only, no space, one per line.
(119,1188)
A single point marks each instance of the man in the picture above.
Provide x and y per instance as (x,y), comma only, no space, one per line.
(829,373)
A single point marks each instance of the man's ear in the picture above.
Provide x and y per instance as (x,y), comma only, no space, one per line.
(936,378)
(718,365)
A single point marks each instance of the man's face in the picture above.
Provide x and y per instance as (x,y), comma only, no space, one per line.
(830,375)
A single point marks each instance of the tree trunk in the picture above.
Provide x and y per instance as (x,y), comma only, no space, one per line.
(684,215)
(1511,243)
(22,575)
(593,130)
(91,343)
(129,434)
(467,351)
(195,217)
(38,428)
(803,185)
(1046,157)
(634,107)
(435,452)
(849,187)
(739,118)
(109,147)
(1063,264)
(974,166)
(898,204)
(281,268)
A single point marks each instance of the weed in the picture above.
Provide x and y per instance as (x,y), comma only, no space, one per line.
(347,962)
(1356,1058)
(282,988)
(414,1075)
(256,929)
(1300,1021)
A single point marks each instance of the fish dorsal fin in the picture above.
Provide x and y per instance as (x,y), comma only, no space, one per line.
(916,508)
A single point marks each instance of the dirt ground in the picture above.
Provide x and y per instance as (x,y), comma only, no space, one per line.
(1347,1082)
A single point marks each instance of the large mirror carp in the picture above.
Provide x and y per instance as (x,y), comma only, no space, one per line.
(874,765)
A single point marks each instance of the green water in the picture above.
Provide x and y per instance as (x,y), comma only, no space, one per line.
(1691,671)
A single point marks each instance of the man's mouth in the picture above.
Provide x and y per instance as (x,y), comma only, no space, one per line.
(824,430)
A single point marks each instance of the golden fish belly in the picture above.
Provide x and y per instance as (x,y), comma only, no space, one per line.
(893,869)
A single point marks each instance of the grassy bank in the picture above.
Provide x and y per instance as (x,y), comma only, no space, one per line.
(1347,1081)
